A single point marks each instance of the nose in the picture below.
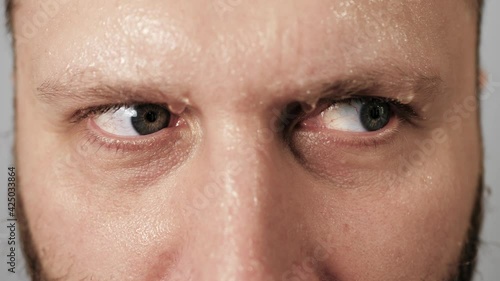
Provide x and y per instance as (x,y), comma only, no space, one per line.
(244,225)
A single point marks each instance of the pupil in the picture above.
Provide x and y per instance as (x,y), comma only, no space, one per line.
(375,112)
(375,115)
(151,116)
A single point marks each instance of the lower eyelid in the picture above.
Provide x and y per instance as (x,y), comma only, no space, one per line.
(146,159)
(97,136)
(354,139)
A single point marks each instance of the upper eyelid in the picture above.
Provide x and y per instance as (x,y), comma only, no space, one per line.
(101,109)
(399,105)
(402,111)
(85,113)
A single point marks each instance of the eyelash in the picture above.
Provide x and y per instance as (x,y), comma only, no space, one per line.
(92,138)
(404,113)
(85,113)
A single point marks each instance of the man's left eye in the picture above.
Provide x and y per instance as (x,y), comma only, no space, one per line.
(137,120)
(356,115)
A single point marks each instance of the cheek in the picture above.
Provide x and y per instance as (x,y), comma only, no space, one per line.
(117,234)
(72,208)
(398,228)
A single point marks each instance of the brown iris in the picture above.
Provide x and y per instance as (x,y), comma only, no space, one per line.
(150,118)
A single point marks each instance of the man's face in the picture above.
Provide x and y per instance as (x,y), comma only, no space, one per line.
(247,140)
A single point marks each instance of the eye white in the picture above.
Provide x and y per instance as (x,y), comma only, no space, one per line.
(344,116)
(118,122)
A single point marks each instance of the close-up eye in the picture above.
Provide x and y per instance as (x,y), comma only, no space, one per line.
(136,120)
(357,115)
(354,115)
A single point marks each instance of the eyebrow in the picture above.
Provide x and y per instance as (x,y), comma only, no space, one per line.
(387,85)
(78,90)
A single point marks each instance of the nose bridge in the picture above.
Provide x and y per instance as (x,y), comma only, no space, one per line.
(240,162)
(234,226)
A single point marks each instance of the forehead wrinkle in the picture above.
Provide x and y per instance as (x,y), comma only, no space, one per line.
(127,40)
(294,56)
(243,51)
(296,44)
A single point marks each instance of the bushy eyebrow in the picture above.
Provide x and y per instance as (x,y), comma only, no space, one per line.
(52,92)
(92,87)
(391,83)
(387,85)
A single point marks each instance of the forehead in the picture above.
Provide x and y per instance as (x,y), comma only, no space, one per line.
(188,39)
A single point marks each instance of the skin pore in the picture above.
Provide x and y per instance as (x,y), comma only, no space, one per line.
(252,180)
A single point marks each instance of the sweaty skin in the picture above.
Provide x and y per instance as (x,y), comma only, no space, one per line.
(226,194)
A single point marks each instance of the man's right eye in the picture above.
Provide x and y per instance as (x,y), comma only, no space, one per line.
(135,120)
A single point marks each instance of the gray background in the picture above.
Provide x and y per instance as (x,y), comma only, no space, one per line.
(489,265)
